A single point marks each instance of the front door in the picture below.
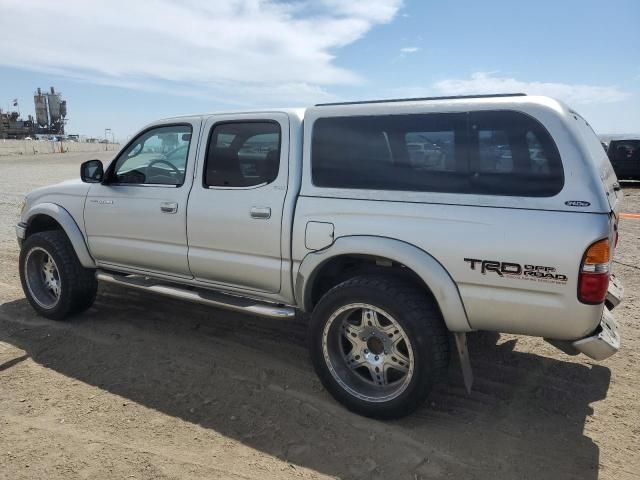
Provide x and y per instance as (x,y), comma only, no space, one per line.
(234,217)
(136,219)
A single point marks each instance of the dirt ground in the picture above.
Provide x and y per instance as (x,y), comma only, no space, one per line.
(142,386)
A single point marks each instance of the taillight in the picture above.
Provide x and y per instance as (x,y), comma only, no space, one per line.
(593,282)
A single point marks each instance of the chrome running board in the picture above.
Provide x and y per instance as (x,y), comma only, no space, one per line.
(207,297)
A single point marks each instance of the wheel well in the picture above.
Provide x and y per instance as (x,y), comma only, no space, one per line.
(41,223)
(343,267)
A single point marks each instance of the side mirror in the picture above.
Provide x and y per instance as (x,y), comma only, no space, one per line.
(92,171)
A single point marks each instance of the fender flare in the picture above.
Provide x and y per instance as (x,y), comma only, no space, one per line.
(434,275)
(68,224)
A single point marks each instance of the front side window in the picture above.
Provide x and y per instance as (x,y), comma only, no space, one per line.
(491,153)
(157,157)
(242,154)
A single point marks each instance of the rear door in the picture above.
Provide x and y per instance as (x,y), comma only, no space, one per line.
(235,208)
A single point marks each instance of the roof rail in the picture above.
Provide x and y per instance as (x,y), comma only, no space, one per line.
(455,97)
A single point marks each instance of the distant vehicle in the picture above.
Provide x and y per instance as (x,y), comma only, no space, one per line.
(27,138)
(625,158)
(104,141)
(426,155)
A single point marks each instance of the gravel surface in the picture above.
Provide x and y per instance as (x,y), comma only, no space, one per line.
(141,386)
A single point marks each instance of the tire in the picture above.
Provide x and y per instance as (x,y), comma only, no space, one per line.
(399,351)
(55,283)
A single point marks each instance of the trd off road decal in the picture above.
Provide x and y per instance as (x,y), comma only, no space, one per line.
(536,273)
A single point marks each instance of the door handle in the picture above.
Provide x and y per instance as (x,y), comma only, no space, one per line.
(260,212)
(168,207)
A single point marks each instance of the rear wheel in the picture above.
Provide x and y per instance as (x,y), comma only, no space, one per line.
(53,280)
(378,345)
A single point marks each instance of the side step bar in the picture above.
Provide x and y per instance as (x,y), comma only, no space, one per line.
(207,297)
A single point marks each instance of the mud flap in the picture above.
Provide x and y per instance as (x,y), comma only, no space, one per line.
(465,362)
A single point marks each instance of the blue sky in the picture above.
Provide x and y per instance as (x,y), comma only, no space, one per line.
(123,63)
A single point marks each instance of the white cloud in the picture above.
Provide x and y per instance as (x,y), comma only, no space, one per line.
(283,49)
(490,82)
(410,49)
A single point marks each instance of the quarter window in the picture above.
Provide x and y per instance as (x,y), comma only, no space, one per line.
(157,157)
(243,154)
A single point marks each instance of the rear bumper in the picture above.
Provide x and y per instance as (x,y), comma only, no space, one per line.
(604,342)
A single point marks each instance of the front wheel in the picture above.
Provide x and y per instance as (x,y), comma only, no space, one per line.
(54,282)
(379,345)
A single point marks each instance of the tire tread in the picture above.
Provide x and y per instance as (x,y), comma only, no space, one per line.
(79,283)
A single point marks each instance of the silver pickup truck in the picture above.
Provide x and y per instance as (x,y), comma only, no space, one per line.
(398,225)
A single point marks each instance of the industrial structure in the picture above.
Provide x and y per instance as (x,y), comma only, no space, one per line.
(51,113)
(12,126)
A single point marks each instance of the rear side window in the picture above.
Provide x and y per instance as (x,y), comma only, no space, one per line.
(492,153)
(242,154)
